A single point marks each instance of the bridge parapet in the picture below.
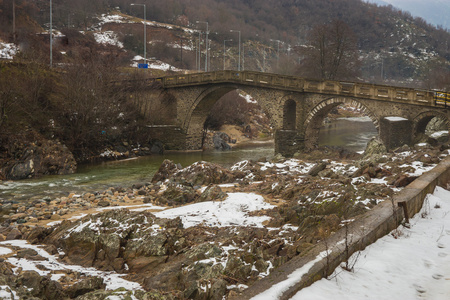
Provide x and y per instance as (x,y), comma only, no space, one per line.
(228,76)
(299,84)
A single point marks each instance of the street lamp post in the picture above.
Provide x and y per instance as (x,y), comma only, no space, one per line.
(206,42)
(243,57)
(278,52)
(239,62)
(51,35)
(145,30)
(224,41)
(198,54)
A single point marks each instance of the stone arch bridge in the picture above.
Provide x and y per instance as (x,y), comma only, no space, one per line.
(296,107)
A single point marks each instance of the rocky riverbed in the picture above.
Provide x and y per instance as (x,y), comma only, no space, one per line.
(199,232)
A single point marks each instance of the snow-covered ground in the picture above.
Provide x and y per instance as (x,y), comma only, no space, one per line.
(233,211)
(112,280)
(412,264)
(154,64)
(8,50)
(108,38)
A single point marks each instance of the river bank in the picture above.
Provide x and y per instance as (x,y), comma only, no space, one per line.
(277,209)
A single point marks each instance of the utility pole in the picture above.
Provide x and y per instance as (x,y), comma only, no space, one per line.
(14,21)
(51,35)
(206,42)
(181,41)
(243,57)
(224,41)
(278,53)
(239,62)
(145,30)
(197,44)
(199,51)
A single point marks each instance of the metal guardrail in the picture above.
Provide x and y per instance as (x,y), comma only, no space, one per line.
(293,83)
(442,98)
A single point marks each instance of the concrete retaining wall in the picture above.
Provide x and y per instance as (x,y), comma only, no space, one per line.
(376,223)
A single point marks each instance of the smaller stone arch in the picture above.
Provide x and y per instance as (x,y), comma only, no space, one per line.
(289,115)
(315,117)
(422,120)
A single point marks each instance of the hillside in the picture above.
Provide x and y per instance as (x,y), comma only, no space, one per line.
(393,46)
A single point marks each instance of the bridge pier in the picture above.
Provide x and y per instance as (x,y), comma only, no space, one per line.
(288,142)
(396,132)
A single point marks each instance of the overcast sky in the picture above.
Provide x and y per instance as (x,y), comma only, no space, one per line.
(436,12)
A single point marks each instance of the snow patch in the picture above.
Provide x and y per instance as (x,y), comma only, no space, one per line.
(8,50)
(108,38)
(395,119)
(233,211)
(112,280)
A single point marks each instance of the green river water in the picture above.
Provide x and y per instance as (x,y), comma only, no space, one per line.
(352,133)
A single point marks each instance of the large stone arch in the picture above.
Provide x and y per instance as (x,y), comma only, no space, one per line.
(200,108)
(421,121)
(314,119)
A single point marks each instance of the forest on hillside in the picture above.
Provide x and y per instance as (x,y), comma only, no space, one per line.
(287,20)
(384,37)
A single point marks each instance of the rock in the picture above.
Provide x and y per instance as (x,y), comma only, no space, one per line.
(220,140)
(104,203)
(317,168)
(26,252)
(148,199)
(404,180)
(422,138)
(55,217)
(326,173)
(32,280)
(374,147)
(157,147)
(138,186)
(218,289)
(14,234)
(203,173)
(212,193)
(21,170)
(85,286)
(236,268)
(443,138)
(278,158)
(165,171)
(176,194)
(47,158)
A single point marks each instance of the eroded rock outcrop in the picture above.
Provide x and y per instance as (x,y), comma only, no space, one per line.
(46,158)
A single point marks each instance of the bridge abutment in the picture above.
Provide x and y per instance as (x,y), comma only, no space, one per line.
(288,142)
(396,132)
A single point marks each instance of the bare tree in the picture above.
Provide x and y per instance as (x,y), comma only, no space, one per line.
(331,52)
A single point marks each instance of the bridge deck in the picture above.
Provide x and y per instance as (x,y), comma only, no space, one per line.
(299,84)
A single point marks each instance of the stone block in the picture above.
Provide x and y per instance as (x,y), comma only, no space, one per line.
(396,132)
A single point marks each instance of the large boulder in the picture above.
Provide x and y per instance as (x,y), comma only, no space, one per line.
(220,140)
(46,158)
(203,173)
(374,147)
(165,171)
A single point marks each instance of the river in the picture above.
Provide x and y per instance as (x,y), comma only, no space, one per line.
(351,133)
